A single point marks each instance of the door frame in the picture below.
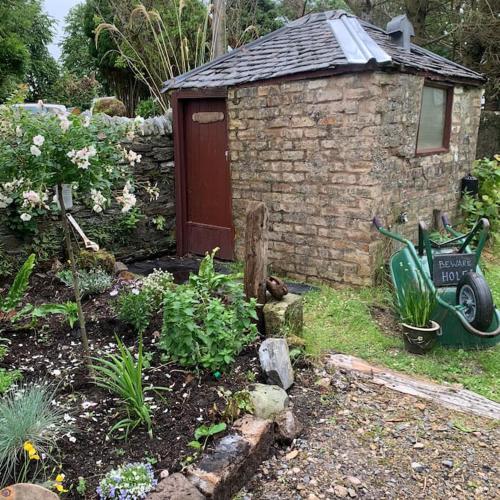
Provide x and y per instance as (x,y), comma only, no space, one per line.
(178,100)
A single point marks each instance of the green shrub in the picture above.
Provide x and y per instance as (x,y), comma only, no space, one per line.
(92,282)
(487,202)
(30,426)
(207,321)
(147,108)
(135,309)
(7,377)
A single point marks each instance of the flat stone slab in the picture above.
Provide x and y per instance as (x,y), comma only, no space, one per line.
(222,473)
(27,491)
(268,400)
(176,487)
(275,362)
(285,316)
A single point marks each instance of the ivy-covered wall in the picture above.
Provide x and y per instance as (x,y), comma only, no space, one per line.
(140,233)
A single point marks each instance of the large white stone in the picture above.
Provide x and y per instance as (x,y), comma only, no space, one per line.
(275,362)
(268,400)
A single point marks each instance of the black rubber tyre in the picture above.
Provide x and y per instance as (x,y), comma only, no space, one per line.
(474,293)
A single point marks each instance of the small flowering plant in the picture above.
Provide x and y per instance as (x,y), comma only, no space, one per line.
(127,482)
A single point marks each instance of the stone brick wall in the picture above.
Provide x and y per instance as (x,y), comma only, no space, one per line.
(157,167)
(328,154)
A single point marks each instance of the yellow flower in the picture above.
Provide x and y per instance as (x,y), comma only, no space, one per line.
(60,488)
(31,450)
(60,478)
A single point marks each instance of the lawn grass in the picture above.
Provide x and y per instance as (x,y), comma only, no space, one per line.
(341,321)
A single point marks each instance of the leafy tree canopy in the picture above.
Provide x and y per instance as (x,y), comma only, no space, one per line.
(25,32)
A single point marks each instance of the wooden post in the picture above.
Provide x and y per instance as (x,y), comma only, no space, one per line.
(256,239)
(437,223)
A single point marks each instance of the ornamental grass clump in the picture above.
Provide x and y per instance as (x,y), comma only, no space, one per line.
(207,321)
(415,303)
(30,426)
(127,482)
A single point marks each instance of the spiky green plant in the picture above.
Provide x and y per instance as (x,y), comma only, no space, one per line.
(27,415)
(415,303)
(18,289)
(121,375)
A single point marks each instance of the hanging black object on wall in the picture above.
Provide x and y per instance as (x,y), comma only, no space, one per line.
(470,185)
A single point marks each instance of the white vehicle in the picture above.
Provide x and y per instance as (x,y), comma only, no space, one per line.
(41,107)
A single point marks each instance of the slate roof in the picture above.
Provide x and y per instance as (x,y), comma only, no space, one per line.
(308,44)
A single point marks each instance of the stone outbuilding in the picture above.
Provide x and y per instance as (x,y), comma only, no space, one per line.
(329,121)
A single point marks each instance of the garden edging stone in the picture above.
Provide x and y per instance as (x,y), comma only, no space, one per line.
(222,473)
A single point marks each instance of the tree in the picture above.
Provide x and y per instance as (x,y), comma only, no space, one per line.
(76,47)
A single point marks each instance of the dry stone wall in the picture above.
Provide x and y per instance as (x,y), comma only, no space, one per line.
(328,154)
(153,234)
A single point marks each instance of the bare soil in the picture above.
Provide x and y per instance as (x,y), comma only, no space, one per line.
(53,352)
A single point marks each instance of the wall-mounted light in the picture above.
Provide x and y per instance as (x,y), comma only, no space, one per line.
(470,185)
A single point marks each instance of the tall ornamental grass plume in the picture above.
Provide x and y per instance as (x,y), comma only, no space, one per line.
(30,426)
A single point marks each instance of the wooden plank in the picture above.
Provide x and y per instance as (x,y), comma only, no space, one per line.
(448,396)
(256,239)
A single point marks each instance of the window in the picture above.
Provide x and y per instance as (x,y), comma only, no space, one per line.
(435,119)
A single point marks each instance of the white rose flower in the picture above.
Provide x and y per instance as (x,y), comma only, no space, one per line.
(64,123)
(86,121)
(25,217)
(35,151)
(19,131)
(38,140)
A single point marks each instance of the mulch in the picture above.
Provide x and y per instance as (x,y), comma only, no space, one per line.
(53,352)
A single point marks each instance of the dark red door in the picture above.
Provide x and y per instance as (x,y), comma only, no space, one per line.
(207,217)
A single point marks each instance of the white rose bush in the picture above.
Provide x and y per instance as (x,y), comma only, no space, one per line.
(42,152)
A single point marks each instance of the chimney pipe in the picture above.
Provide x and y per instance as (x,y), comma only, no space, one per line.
(401,30)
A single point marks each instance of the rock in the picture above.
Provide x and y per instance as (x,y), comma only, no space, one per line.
(418,446)
(275,362)
(340,491)
(417,467)
(447,463)
(354,480)
(287,427)
(119,267)
(27,491)
(235,459)
(268,400)
(111,106)
(164,474)
(291,455)
(284,316)
(324,382)
(176,487)
(126,276)
(352,492)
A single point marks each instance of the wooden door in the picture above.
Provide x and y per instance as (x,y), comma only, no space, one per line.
(204,173)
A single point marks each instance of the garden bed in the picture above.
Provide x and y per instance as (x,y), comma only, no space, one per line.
(53,352)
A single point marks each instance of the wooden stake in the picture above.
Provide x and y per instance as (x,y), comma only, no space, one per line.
(256,239)
(76,281)
(219,28)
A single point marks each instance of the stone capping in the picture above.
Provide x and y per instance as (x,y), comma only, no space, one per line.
(224,471)
(156,125)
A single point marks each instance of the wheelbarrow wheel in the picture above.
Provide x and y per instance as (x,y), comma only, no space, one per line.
(474,294)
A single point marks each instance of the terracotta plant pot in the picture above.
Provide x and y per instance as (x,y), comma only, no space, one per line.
(420,340)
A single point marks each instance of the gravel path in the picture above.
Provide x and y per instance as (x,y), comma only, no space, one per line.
(366,441)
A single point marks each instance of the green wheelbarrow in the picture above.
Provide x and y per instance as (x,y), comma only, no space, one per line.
(465,308)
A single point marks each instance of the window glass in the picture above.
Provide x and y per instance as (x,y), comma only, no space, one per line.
(432,118)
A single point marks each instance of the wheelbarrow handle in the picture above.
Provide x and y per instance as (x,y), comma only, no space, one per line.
(445,219)
(377,222)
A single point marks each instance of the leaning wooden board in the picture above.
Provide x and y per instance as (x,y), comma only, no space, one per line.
(448,396)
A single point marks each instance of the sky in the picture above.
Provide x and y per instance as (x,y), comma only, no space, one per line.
(58,9)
